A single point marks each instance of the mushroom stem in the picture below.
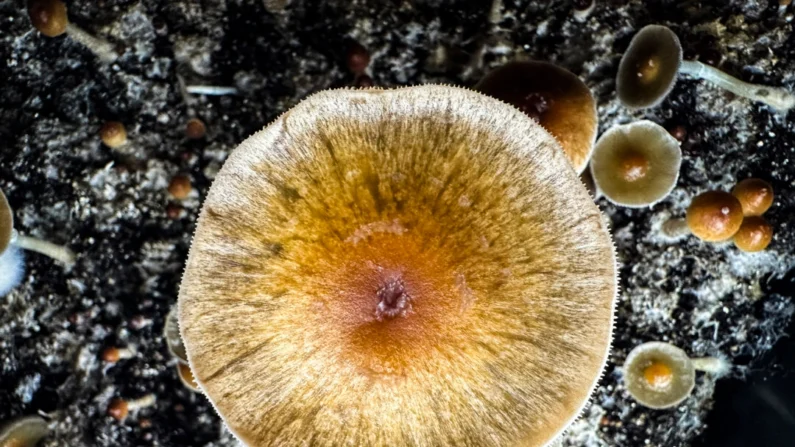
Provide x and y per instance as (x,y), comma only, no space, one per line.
(714,365)
(102,48)
(778,98)
(675,228)
(57,252)
(212,90)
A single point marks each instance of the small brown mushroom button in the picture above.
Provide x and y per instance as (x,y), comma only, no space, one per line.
(755,196)
(754,234)
(195,129)
(714,216)
(554,97)
(113,134)
(180,186)
(51,19)
(119,408)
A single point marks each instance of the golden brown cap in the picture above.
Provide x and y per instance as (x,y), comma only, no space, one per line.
(48,16)
(378,266)
(195,129)
(554,97)
(754,234)
(648,70)
(6,223)
(755,196)
(113,134)
(636,164)
(659,375)
(714,216)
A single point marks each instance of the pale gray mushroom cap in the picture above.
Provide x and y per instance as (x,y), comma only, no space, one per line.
(643,139)
(6,223)
(683,375)
(24,432)
(649,68)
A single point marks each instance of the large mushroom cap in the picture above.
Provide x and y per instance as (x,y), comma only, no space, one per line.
(636,164)
(6,223)
(648,70)
(659,375)
(398,267)
(555,97)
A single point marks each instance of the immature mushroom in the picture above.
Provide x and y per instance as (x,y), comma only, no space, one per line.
(186,377)
(112,354)
(754,234)
(119,409)
(50,18)
(113,134)
(10,237)
(636,164)
(398,266)
(554,97)
(23,432)
(755,196)
(659,375)
(195,129)
(649,68)
(180,187)
(713,216)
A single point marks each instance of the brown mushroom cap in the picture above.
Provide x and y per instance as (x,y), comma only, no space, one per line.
(23,432)
(648,70)
(659,375)
(6,223)
(390,266)
(754,234)
(186,377)
(554,97)
(48,16)
(113,134)
(636,164)
(755,196)
(714,216)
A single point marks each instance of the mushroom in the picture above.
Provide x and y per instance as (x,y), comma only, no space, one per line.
(24,432)
(10,238)
(754,234)
(119,409)
(713,216)
(583,9)
(112,354)
(180,187)
(50,18)
(554,97)
(649,68)
(660,375)
(755,196)
(113,134)
(172,336)
(637,164)
(195,129)
(379,266)
(186,377)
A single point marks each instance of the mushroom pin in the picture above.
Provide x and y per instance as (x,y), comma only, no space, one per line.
(50,18)
(383,267)
(713,216)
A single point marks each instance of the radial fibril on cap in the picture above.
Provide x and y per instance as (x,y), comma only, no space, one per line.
(714,216)
(755,196)
(553,96)
(23,432)
(376,262)
(659,375)
(636,164)
(648,70)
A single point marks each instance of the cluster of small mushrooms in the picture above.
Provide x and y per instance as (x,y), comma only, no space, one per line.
(400,281)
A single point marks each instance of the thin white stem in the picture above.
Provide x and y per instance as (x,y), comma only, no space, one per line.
(675,228)
(57,252)
(102,48)
(778,98)
(212,90)
(714,365)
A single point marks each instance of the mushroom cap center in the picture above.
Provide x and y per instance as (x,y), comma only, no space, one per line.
(633,166)
(648,70)
(658,375)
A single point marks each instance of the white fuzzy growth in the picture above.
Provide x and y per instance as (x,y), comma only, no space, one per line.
(12,267)
(716,366)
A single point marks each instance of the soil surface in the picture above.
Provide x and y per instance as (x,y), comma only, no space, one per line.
(131,236)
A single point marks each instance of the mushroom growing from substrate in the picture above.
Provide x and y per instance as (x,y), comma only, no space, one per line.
(636,164)
(713,216)
(649,68)
(11,262)
(755,196)
(754,234)
(418,265)
(119,409)
(113,134)
(23,432)
(554,97)
(50,18)
(660,375)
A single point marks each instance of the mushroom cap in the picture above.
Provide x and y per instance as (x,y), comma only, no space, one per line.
(555,97)
(6,223)
(659,375)
(172,336)
(48,16)
(382,267)
(714,216)
(754,234)
(648,70)
(113,134)
(186,377)
(636,164)
(755,196)
(24,432)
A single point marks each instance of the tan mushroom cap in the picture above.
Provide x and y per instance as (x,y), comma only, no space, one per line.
(48,16)
(755,196)
(636,164)
(648,70)
(659,375)
(382,267)
(23,432)
(113,134)
(553,96)
(754,234)
(714,216)
(6,223)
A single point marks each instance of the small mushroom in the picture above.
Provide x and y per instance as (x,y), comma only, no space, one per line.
(554,97)
(119,409)
(186,376)
(713,216)
(583,9)
(754,234)
(637,164)
(195,129)
(650,66)
(180,187)
(112,354)
(172,336)
(755,196)
(660,375)
(357,58)
(24,432)
(50,18)
(113,134)
(10,239)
